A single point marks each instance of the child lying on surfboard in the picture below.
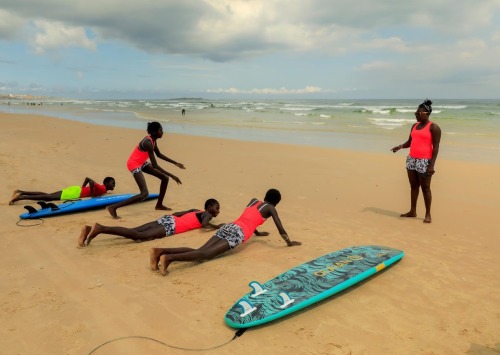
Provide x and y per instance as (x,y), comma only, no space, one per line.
(165,226)
(228,236)
(70,193)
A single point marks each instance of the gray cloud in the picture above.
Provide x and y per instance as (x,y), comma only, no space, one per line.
(7,61)
(399,45)
(10,25)
(222,31)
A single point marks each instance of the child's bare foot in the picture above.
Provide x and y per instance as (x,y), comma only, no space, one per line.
(162,208)
(164,263)
(96,229)
(409,214)
(14,197)
(154,258)
(427,219)
(112,212)
(83,236)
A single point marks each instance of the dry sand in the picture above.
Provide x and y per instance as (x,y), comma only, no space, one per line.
(442,298)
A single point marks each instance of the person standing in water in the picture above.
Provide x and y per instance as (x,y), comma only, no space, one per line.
(423,142)
(138,163)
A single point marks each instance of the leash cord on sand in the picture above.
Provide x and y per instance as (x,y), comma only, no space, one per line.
(29,225)
(236,335)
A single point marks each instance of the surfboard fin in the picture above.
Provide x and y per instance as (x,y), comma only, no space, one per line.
(258,289)
(53,206)
(247,307)
(285,299)
(43,205)
(31,209)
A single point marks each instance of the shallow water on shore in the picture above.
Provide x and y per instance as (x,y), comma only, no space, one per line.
(471,128)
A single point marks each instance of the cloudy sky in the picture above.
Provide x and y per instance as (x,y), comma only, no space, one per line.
(251,48)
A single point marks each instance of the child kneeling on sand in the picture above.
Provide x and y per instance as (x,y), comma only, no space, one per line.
(228,236)
(177,222)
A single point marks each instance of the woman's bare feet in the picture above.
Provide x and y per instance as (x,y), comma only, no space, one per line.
(96,229)
(427,218)
(154,258)
(14,197)
(83,236)
(409,214)
(162,208)
(164,263)
(112,212)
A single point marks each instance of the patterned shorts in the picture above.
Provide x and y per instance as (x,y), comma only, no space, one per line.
(168,222)
(419,165)
(139,169)
(232,233)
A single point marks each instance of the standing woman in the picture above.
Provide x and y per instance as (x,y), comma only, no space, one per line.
(424,147)
(138,163)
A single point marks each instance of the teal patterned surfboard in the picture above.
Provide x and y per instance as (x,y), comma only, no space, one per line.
(309,283)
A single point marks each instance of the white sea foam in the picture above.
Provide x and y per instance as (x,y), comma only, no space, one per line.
(451,107)
(390,120)
(389,123)
(376,110)
(405,110)
(297,108)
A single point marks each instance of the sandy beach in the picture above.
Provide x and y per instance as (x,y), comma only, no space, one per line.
(56,298)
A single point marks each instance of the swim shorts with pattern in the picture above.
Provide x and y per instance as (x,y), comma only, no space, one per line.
(168,222)
(139,169)
(419,165)
(232,233)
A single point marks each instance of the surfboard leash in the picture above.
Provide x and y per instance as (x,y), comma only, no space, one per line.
(236,335)
(29,225)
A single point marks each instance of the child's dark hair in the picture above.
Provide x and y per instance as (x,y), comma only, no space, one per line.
(273,196)
(210,202)
(426,105)
(108,179)
(154,127)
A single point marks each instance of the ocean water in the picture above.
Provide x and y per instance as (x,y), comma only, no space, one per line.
(470,128)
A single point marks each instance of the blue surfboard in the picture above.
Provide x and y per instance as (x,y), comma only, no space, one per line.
(309,283)
(52,209)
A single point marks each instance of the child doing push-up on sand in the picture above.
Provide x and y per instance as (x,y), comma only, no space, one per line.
(228,236)
(177,222)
